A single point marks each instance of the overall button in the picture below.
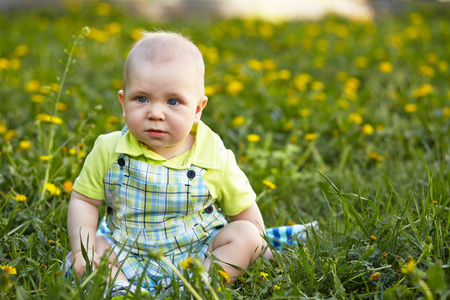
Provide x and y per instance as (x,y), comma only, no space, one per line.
(109,210)
(191,174)
(209,209)
(121,161)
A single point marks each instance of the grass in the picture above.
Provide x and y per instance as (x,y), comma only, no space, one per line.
(345,122)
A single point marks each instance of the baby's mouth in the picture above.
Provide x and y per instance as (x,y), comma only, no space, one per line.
(156,133)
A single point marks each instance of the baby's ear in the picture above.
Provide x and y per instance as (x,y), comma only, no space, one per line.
(122,100)
(200,106)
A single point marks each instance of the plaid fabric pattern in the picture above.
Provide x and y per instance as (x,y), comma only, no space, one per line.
(154,207)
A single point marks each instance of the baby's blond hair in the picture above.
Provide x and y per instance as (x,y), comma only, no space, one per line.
(160,47)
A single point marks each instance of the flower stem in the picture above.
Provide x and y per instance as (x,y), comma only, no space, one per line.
(55,111)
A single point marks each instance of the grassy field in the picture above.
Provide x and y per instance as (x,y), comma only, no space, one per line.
(340,121)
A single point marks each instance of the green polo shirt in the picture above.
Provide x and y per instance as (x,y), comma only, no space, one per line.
(224,179)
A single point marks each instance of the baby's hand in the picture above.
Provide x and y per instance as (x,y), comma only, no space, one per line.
(79,263)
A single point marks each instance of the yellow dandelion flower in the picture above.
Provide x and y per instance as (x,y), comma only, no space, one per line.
(320,96)
(4,63)
(355,118)
(305,112)
(385,67)
(361,62)
(276,288)
(376,156)
(300,81)
(375,276)
(81,154)
(187,263)
(410,108)
(61,106)
(367,129)
(45,89)
(210,90)
(113,28)
(409,266)
(432,57)
(55,87)
(426,71)
(32,86)
(269,184)
(136,34)
(19,197)
(373,238)
(45,157)
(2,128)
(288,126)
(10,134)
(311,136)
(68,186)
(350,94)
(269,64)
(255,64)
(238,121)
(284,74)
(113,119)
(24,145)
(37,98)
(72,151)
(103,9)
(234,87)
(8,269)
(446,113)
(317,86)
(224,275)
(52,189)
(266,30)
(416,18)
(304,77)
(423,90)
(322,45)
(264,274)
(384,255)
(343,103)
(253,138)
(352,84)
(98,35)
(48,118)
(442,66)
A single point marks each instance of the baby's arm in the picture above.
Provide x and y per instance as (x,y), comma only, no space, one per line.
(253,215)
(82,222)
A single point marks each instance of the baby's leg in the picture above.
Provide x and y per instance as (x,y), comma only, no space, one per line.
(102,247)
(238,243)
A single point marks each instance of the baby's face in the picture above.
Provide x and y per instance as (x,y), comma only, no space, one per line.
(161,102)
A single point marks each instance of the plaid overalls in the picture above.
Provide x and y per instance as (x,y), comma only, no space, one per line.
(155,207)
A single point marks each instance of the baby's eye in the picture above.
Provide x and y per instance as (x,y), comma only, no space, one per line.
(173,102)
(142,99)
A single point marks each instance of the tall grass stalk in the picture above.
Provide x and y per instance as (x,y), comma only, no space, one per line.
(61,81)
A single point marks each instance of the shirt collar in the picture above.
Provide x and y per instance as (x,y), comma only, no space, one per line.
(204,152)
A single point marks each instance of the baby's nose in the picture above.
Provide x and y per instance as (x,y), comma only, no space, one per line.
(156,112)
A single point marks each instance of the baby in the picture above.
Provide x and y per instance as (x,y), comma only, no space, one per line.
(167,179)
